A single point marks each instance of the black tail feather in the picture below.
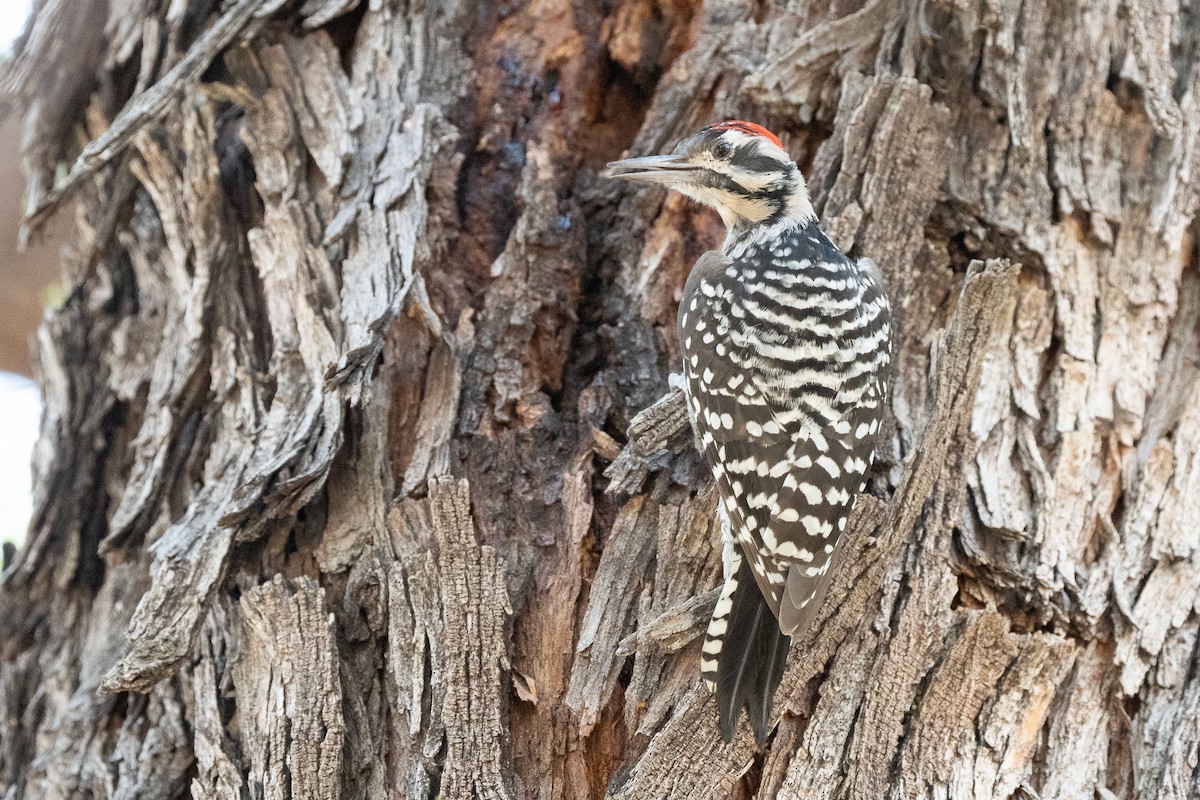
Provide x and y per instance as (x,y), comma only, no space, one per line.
(751,660)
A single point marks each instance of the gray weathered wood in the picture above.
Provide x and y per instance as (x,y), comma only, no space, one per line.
(360,474)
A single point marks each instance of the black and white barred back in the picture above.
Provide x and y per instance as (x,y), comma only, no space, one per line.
(785,343)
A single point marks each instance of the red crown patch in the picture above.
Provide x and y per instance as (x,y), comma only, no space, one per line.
(751,128)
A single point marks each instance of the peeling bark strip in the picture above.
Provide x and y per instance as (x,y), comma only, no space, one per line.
(289,694)
(448,644)
(149,105)
(330,252)
(475,613)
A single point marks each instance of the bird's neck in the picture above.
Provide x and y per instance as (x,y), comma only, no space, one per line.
(787,235)
(790,210)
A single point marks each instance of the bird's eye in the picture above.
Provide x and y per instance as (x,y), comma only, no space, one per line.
(722,150)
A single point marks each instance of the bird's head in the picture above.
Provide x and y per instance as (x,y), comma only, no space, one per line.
(738,168)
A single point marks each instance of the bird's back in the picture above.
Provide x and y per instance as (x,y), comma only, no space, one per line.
(785,344)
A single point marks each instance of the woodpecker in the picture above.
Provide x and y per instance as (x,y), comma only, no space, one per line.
(785,343)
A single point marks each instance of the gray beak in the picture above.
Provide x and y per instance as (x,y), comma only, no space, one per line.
(675,168)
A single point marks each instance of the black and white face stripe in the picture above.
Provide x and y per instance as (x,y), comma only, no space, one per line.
(747,178)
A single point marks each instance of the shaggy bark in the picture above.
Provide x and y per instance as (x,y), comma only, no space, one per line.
(360,476)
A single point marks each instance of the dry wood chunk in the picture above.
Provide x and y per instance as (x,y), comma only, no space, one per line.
(654,434)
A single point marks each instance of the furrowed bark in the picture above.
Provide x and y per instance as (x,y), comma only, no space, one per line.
(360,472)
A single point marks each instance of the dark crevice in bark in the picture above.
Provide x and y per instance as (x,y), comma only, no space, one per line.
(344,30)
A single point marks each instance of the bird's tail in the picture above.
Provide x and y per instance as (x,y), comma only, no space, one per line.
(744,653)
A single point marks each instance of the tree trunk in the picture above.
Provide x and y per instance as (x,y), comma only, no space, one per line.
(346,485)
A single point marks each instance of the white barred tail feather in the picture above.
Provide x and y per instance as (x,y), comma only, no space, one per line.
(751,652)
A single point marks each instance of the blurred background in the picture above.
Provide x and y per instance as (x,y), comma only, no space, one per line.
(24,281)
